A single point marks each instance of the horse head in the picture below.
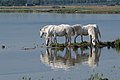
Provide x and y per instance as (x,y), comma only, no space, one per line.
(41,33)
(94,42)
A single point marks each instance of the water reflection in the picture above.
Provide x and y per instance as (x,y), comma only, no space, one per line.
(70,57)
(94,56)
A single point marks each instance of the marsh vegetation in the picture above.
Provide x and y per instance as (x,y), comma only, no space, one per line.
(109,44)
(65,9)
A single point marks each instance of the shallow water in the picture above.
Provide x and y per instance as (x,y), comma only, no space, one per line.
(19,31)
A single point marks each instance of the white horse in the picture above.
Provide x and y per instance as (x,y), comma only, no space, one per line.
(78,31)
(91,29)
(45,30)
(57,30)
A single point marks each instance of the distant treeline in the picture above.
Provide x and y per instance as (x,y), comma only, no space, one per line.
(57,2)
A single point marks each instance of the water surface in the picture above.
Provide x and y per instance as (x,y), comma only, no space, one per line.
(21,30)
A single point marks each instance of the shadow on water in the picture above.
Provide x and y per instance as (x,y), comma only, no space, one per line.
(65,58)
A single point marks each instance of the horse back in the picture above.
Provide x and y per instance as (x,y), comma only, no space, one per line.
(85,30)
(77,28)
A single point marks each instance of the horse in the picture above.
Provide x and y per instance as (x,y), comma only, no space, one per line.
(57,30)
(91,29)
(78,31)
(45,30)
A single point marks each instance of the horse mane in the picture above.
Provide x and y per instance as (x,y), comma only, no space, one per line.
(45,27)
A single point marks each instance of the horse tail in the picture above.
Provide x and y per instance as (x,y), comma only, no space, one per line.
(99,32)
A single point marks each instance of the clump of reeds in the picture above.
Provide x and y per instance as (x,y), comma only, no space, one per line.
(117,44)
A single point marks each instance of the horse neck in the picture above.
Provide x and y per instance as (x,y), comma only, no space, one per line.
(47,28)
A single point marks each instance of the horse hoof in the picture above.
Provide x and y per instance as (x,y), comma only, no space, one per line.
(46,44)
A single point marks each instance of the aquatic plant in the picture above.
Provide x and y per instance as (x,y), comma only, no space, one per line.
(97,76)
(117,45)
(26,78)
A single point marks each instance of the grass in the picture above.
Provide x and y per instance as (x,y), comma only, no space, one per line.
(65,9)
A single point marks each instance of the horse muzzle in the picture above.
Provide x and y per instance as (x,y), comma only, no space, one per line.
(40,36)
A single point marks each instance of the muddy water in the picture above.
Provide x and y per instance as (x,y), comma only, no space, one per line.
(19,32)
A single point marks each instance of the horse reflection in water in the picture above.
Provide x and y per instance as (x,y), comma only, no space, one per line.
(94,56)
(70,58)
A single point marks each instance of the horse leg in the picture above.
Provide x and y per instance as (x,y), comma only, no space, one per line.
(98,39)
(90,51)
(51,39)
(69,41)
(82,38)
(90,39)
(75,38)
(47,41)
(55,39)
(66,39)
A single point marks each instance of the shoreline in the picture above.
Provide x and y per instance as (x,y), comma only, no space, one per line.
(62,9)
